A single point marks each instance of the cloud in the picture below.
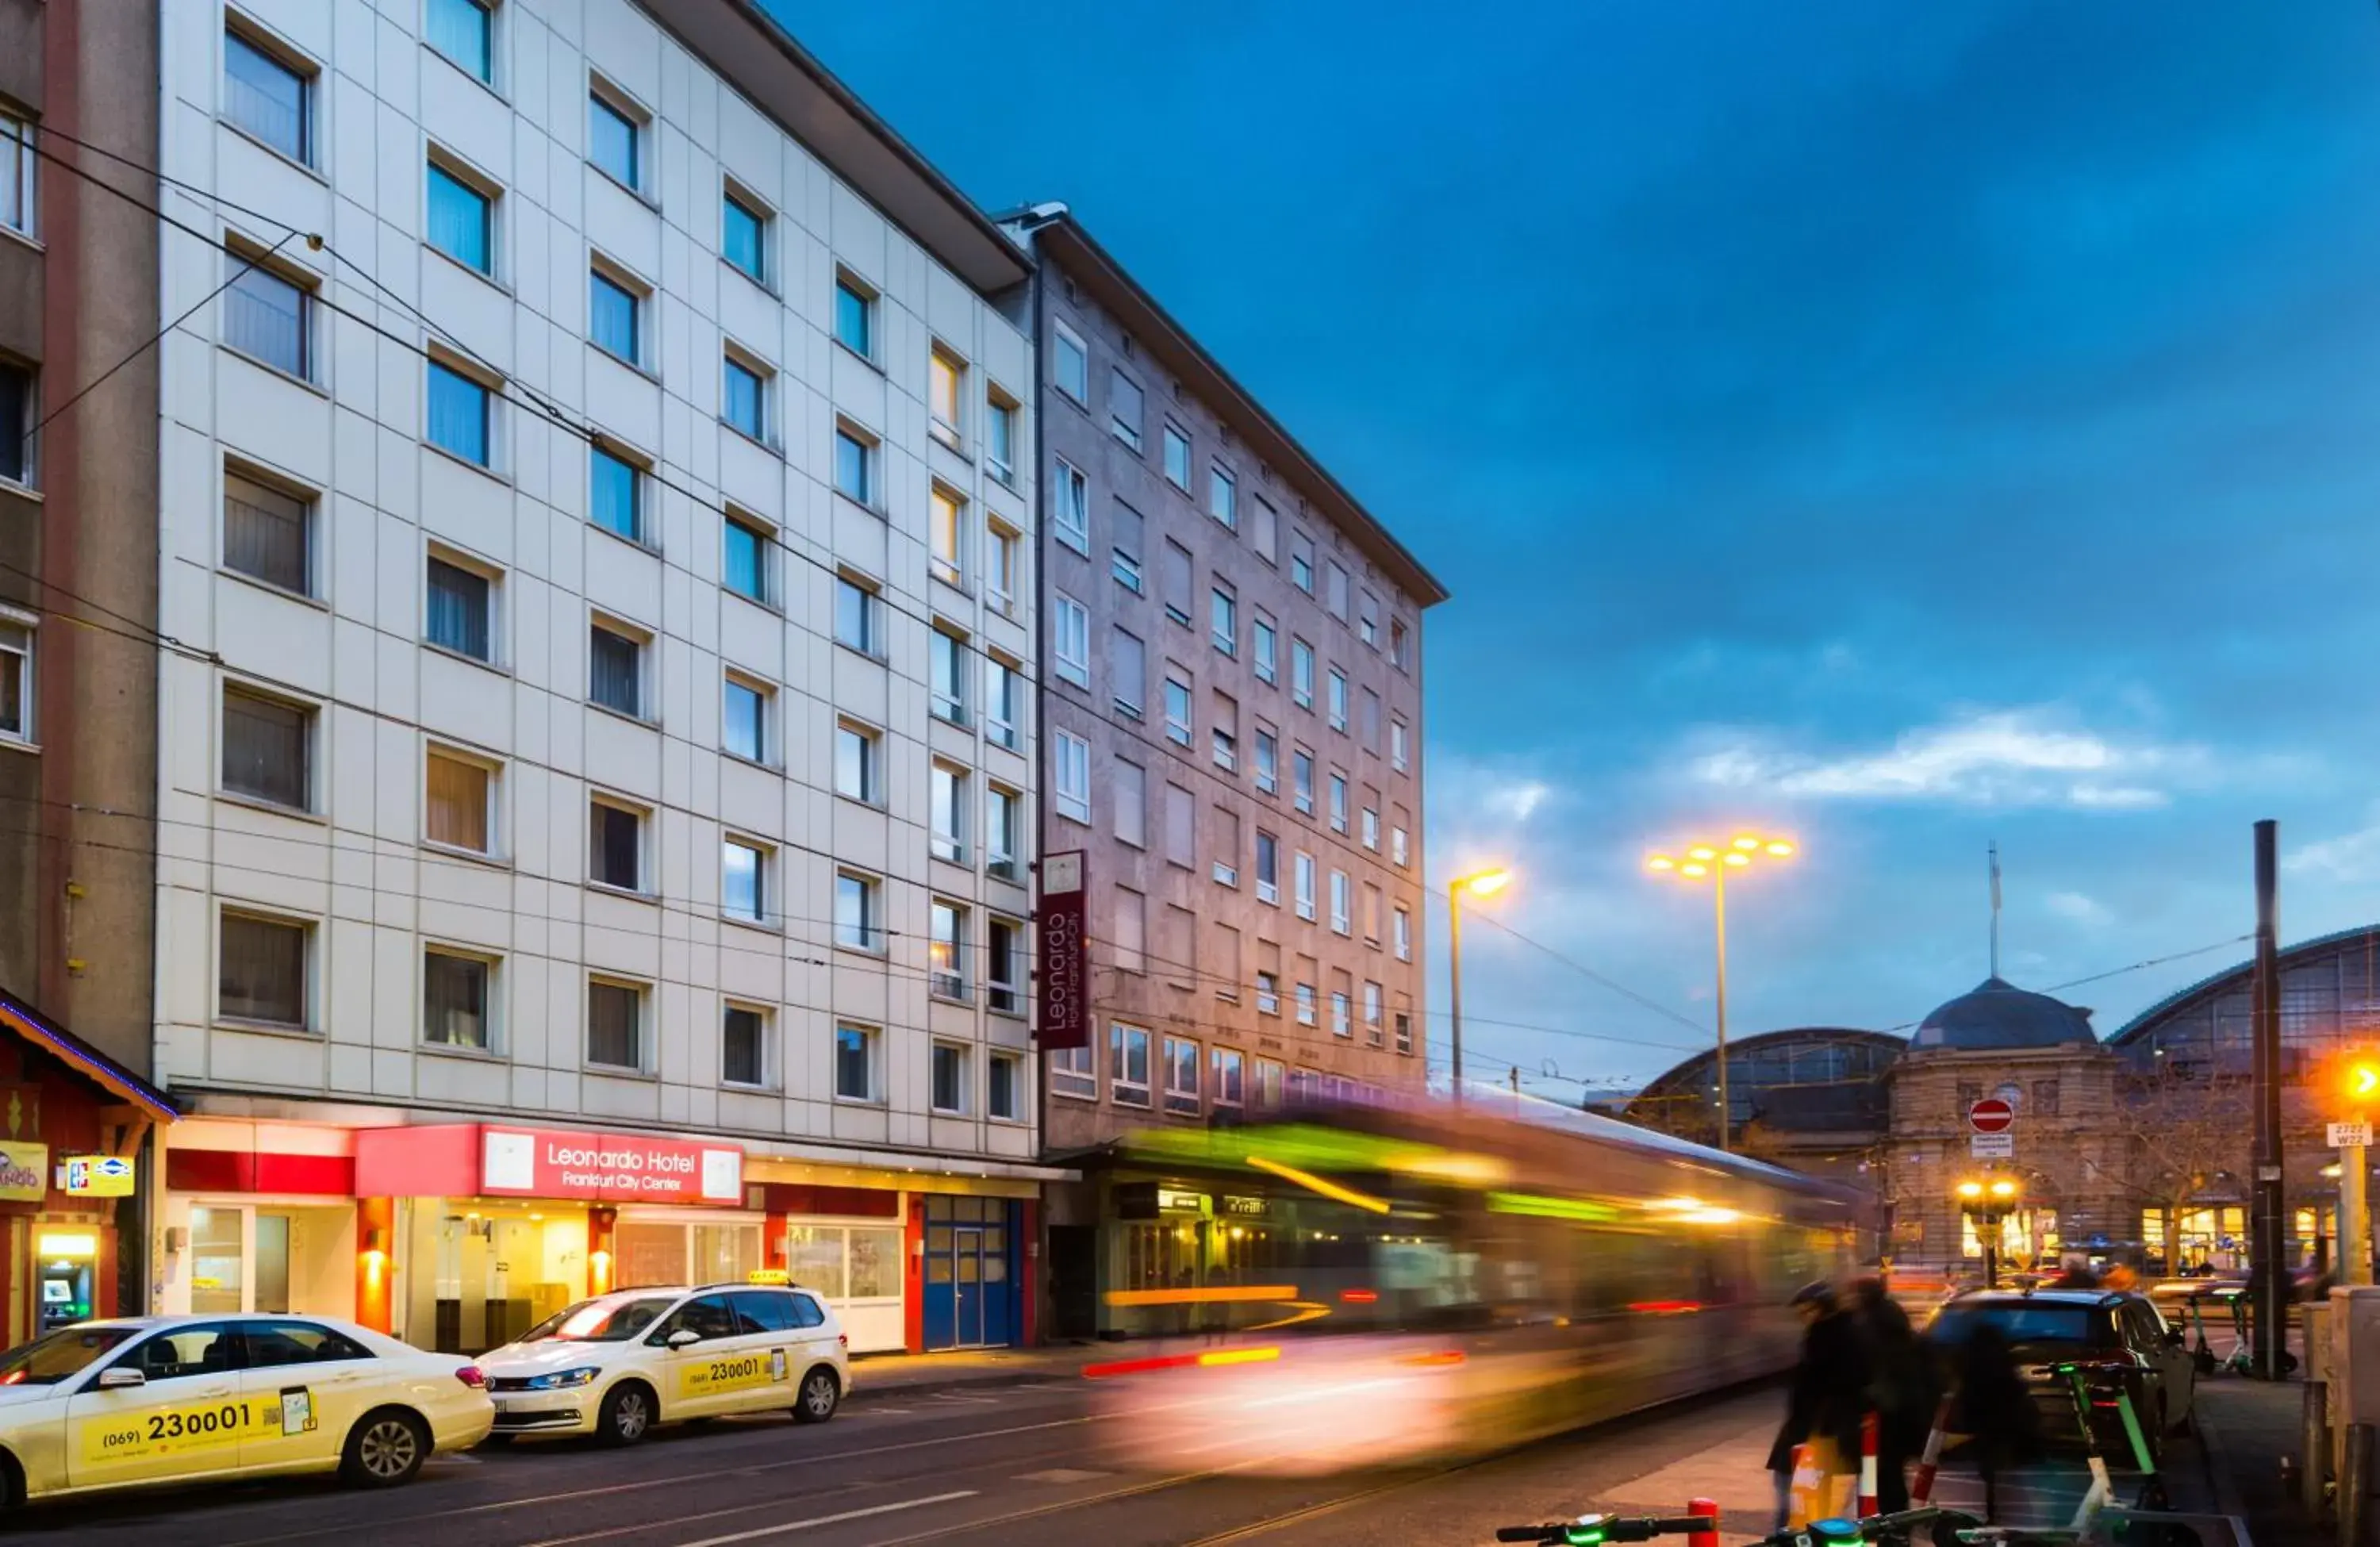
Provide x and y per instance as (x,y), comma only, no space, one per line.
(2349,857)
(1995,758)
(2077,909)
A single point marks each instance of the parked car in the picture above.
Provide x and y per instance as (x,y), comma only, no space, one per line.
(2118,1339)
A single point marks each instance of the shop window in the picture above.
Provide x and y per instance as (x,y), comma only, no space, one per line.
(845,1263)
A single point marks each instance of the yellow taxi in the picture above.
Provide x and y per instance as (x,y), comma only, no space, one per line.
(620,1363)
(168,1399)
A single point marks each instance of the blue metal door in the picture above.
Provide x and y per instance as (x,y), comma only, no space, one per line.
(970,1300)
(967,1288)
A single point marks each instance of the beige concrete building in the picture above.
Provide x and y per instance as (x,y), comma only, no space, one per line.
(1232,723)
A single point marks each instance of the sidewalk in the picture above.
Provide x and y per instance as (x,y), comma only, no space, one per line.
(2246,1427)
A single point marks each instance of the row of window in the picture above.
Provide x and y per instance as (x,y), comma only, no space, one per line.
(1176,959)
(1187,1077)
(266,978)
(1127,410)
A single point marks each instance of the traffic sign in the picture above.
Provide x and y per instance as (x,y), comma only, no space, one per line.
(2344,1134)
(1992,1146)
(1991,1116)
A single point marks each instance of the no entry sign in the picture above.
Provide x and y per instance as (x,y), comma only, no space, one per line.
(1991,1116)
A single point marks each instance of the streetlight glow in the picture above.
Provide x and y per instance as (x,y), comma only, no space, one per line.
(1971,1189)
(1781,848)
(2003,1189)
(1485,884)
(1660,862)
(1747,842)
(1738,859)
(1693,873)
(1702,851)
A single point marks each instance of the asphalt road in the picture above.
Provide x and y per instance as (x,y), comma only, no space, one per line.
(1007,1466)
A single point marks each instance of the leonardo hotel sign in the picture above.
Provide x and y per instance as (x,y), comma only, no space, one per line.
(607,1167)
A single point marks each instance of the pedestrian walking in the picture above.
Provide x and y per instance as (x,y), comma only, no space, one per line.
(1995,1411)
(2075,1272)
(1828,1391)
(1902,1388)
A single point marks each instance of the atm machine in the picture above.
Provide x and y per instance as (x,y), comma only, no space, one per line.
(68,1262)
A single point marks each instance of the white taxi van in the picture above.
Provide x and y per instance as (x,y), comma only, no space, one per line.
(620,1363)
(171,1399)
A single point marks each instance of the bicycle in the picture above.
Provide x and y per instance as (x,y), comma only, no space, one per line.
(1891,1530)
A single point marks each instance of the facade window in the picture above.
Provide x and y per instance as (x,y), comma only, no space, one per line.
(1127,1065)
(1070,366)
(1397,643)
(1003,701)
(743,398)
(744,1045)
(615,494)
(263,974)
(1226,732)
(1231,1077)
(1130,531)
(1270,1076)
(1367,620)
(17,420)
(455,1000)
(1177,707)
(1338,701)
(1371,829)
(744,720)
(1173,581)
(857,754)
(1071,515)
(945,392)
(1182,1058)
(615,676)
(1397,844)
(855,468)
(1306,873)
(1131,803)
(1004,968)
(1130,917)
(1181,826)
(1227,851)
(1305,1003)
(1072,1072)
(946,656)
(854,1062)
(947,790)
(611,321)
(16,682)
(459,811)
(462,221)
(1372,1013)
(1267,761)
(1402,934)
(1370,727)
(1074,776)
(1177,458)
(19,188)
(1266,643)
(1224,610)
(1397,745)
(615,845)
(1300,674)
(1301,763)
(1263,531)
(858,911)
(947,950)
(743,235)
(1342,915)
(612,142)
(1267,868)
(855,317)
(1004,834)
(858,617)
(270,317)
(1300,562)
(268,98)
(945,522)
(744,559)
(2044,1098)
(1002,552)
(1070,629)
(464,30)
(1342,1014)
(268,534)
(268,749)
(744,882)
(1338,801)
(999,438)
(459,415)
(947,1083)
(461,612)
(1223,496)
(1125,410)
(1404,1032)
(1336,597)
(616,1024)
(1004,1087)
(1268,993)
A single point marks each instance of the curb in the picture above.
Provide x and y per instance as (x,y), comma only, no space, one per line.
(864,1390)
(2218,1467)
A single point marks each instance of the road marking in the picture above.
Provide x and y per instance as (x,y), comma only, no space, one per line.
(783,1526)
(1062,1474)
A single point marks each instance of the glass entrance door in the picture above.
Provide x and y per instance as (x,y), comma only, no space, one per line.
(239,1258)
(966,1298)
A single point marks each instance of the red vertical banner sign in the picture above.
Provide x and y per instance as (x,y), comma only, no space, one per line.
(1065,959)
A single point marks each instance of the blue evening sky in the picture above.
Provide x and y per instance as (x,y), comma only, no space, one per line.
(1903,426)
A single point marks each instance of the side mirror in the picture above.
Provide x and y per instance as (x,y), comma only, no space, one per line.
(118,1377)
(684,1337)
(2173,1338)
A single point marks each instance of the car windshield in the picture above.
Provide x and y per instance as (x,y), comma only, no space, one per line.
(600,1321)
(51,1358)
(2024,1325)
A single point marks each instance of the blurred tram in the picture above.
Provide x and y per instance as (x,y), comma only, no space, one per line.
(1352,1287)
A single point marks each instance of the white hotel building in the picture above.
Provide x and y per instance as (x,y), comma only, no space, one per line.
(601,577)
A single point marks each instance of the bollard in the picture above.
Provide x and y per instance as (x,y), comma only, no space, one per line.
(1704,1509)
(1921,1487)
(1867,1477)
(2355,1486)
(2315,1446)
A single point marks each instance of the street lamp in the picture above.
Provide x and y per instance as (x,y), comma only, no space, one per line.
(1988,1202)
(1477,884)
(1711,862)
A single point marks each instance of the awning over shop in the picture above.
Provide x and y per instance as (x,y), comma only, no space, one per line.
(24,1021)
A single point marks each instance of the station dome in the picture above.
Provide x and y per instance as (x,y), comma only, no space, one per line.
(1997,1014)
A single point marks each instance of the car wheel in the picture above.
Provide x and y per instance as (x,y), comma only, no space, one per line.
(820,1396)
(384,1448)
(627,1414)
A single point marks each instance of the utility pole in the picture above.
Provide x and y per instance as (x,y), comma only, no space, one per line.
(2269,1283)
(1718,914)
(1455,983)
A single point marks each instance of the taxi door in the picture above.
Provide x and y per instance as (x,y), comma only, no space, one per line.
(770,1329)
(184,1419)
(306,1383)
(725,1359)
